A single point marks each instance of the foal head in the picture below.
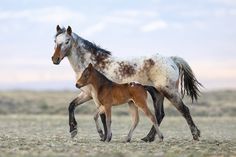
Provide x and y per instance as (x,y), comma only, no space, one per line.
(86,77)
(63,44)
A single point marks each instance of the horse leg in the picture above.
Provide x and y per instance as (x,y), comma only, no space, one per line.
(176,100)
(149,114)
(108,122)
(135,119)
(158,100)
(103,119)
(82,97)
(99,130)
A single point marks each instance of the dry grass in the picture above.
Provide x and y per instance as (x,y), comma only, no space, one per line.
(218,103)
(45,135)
(36,124)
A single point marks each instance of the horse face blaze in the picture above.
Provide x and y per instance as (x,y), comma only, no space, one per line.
(56,59)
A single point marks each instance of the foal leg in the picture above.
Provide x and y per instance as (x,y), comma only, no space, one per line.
(99,130)
(149,114)
(158,100)
(103,119)
(108,122)
(176,100)
(82,97)
(135,119)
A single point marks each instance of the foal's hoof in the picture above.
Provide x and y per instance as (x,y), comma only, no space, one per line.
(101,134)
(161,138)
(148,139)
(109,138)
(127,139)
(73,133)
(103,139)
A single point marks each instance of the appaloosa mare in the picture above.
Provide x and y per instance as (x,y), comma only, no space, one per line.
(164,73)
(107,94)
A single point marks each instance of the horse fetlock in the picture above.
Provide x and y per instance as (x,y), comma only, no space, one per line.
(195,133)
(73,126)
(100,132)
(198,132)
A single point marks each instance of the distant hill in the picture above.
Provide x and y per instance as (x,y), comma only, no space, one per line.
(214,103)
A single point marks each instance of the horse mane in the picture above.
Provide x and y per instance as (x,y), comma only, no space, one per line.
(99,56)
(102,78)
(94,49)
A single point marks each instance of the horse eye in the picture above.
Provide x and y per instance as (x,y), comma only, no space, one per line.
(67,41)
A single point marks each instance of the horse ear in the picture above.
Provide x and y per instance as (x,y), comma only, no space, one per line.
(69,30)
(58,28)
(90,66)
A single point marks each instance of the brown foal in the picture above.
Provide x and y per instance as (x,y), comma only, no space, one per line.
(107,94)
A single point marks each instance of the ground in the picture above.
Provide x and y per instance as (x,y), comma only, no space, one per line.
(47,135)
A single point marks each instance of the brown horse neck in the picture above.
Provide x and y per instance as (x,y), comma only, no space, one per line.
(99,80)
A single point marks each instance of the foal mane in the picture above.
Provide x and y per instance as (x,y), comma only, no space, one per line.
(100,77)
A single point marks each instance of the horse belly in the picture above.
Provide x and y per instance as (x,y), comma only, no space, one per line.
(120,96)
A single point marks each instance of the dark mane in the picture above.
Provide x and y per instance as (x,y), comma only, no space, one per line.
(102,78)
(99,56)
(92,47)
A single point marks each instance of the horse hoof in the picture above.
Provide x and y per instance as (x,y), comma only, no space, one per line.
(161,138)
(109,138)
(127,140)
(73,133)
(151,139)
(145,139)
(101,134)
(103,139)
(148,139)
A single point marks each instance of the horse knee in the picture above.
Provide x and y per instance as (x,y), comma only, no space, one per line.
(71,107)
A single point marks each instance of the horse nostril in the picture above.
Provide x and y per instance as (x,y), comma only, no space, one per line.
(77,85)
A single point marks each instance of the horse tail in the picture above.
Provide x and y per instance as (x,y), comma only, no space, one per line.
(158,107)
(188,81)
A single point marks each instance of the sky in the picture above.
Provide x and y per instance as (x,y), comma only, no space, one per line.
(203,32)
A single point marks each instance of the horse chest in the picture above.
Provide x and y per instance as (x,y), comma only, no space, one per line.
(94,95)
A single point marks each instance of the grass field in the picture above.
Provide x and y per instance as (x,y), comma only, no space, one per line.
(47,135)
(213,104)
(35,123)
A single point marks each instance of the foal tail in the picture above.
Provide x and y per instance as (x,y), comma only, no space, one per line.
(188,81)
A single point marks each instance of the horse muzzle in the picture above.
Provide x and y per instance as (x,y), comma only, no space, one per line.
(78,85)
(56,61)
